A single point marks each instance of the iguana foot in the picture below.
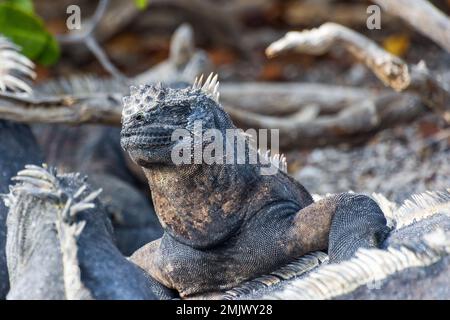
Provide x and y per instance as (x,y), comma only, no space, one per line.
(358,222)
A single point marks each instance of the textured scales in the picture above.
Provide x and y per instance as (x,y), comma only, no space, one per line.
(368,267)
(13,67)
(18,148)
(96,151)
(225,223)
(420,240)
(147,97)
(67,226)
(60,246)
(413,253)
(290,271)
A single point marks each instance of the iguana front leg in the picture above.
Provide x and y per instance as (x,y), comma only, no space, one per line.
(343,223)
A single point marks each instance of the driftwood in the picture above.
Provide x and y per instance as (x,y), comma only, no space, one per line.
(87,36)
(301,129)
(184,63)
(352,125)
(423,16)
(106,107)
(387,67)
(117,17)
(92,108)
(393,71)
(286,98)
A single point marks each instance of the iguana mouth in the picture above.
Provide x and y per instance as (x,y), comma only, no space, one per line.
(146,137)
(140,141)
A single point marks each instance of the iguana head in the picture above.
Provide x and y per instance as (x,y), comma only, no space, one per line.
(152,113)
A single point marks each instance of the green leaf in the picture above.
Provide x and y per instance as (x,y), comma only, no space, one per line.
(25,5)
(51,52)
(141,4)
(28,31)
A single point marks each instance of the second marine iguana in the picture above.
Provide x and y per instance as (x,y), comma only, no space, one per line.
(59,243)
(227,223)
(96,151)
(18,147)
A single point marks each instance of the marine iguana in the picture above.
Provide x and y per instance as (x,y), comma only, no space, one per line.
(227,223)
(96,151)
(59,243)
(17,148)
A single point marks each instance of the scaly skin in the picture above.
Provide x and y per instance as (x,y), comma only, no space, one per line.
(60,246)
(227,223)
(17,148)
(96,151)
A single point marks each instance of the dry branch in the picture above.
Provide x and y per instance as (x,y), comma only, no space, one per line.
(117,17)
(88,27)
(105,107)
(423,16)
(390,69)
(87,37)
(352,125)
(184,63)
(287,98)
(93,108)
(301,129)
(387,67)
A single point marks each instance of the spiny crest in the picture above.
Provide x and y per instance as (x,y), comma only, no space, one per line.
(418,207)
(44,182)
(422,206)
(276,159)
(32,180)
(292,270)
(210,87)
(13,67)
(388,207)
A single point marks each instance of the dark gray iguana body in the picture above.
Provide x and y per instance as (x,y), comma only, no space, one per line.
(96,151)
(225,224)
(60,246)
(93,149)
(17,148)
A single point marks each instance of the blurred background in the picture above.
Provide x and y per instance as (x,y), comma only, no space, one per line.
(235,34)
(397,161)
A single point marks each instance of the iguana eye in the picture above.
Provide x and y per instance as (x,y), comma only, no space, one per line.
(139,117)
